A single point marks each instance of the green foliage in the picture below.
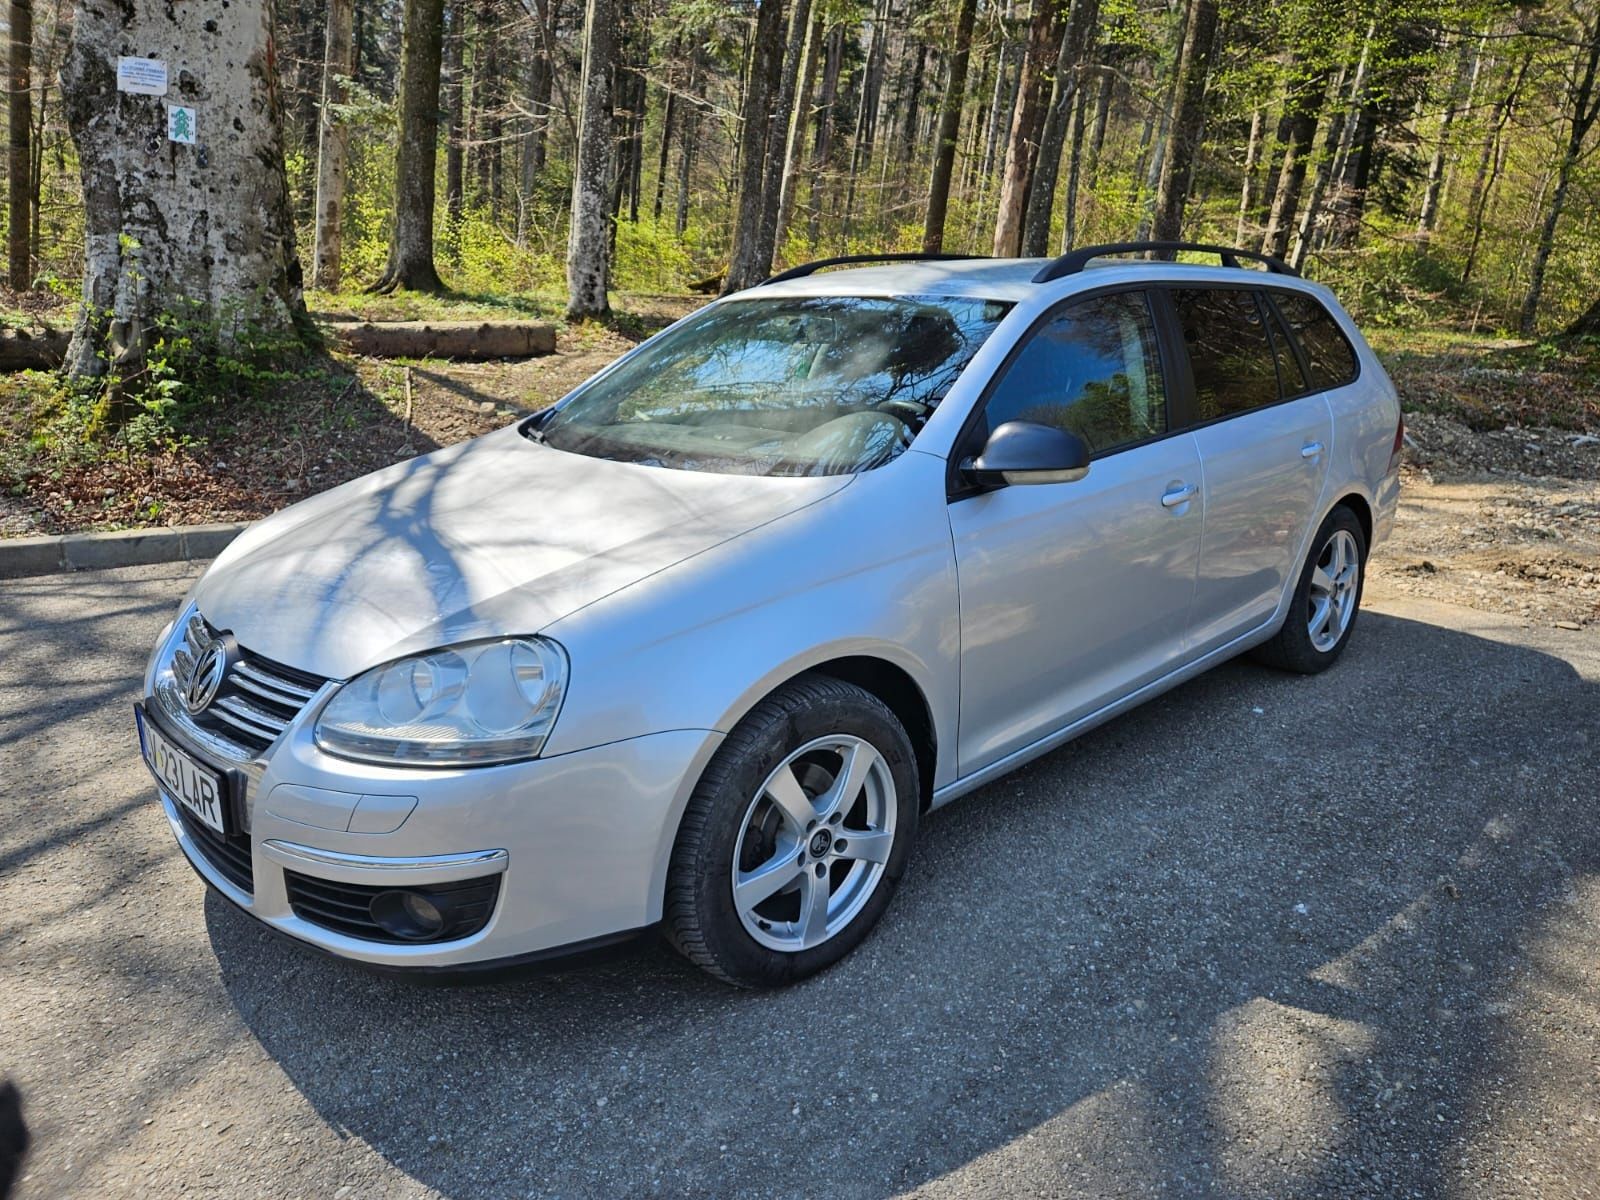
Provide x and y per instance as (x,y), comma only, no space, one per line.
(652,258)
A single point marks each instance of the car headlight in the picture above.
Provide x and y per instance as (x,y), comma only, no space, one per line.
(487,702)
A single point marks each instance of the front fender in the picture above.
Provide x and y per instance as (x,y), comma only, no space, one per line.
(868,571)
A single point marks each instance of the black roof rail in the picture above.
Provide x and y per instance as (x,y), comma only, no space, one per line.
(811,268)
(1074,261)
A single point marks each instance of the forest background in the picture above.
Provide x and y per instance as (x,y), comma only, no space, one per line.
(1431,161)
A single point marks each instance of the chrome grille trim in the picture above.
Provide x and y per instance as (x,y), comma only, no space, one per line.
(250,676)
(259,698)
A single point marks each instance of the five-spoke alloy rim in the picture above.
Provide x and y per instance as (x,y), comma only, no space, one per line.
(1334,589)
(814,843)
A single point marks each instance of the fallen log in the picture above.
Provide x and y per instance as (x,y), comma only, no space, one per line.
(22,351)
(462,340)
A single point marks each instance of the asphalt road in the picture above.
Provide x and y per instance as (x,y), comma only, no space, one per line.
(1267,937)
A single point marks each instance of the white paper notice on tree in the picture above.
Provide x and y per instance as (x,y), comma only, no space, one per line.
(142,76)
(180,124)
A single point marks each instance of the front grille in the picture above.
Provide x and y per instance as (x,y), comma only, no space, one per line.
(258,697)
(229,855)
(347,907)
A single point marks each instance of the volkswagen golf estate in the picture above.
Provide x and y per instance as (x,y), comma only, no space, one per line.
(696,648)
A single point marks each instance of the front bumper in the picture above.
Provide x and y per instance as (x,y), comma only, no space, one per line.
(579,842)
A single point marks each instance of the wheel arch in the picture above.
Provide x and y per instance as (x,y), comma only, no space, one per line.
(1362,507)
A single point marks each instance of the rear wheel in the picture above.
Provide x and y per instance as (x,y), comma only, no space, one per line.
(796,836)
(1322,614)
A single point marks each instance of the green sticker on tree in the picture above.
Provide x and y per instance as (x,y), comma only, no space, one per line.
(180,124)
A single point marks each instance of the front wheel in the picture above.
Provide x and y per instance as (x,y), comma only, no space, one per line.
(795,837)
(1327,597)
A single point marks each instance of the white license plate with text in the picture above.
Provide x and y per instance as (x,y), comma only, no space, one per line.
(198,788)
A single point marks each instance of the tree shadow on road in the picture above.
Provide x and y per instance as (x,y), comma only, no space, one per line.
(1255,937)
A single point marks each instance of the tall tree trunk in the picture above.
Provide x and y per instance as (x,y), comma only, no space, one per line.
(205,230)
(338,65)
(1491,162)
(1075,46)
(487,80)
(778,126)
(540,89)
(795,146)
(867,109)
(19,157)
(1252,156)
(827,118)
(1194,71)
(669,115)
(745,268)
(1027,116)
(454,78)
(1297,130)
(1069,222)
(1102,117)
(1584,108)
(416,153)
(1441,147)
(691,137)
(944,154)
(589,236)
(1334,144)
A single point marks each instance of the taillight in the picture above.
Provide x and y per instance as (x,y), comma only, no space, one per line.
(1399,443)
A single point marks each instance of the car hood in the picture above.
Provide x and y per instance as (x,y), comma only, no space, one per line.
(496,536)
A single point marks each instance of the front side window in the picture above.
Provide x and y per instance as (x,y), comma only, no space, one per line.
(1091,369)
(1229,352)
(826,385)
(1328,352)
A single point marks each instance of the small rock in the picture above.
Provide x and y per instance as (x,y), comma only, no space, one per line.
(1573,625)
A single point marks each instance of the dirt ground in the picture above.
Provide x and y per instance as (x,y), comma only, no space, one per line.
(1505,522)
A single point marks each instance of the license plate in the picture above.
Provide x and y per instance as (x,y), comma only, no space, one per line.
(198,788)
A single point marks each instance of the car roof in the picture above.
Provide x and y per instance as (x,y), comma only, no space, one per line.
(1003,278)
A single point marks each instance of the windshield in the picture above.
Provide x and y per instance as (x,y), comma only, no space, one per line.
(825,385)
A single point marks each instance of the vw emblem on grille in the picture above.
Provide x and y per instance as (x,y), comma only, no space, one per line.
(201,687)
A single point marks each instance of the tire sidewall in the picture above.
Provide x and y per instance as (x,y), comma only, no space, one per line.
(772,740)
(1340,518)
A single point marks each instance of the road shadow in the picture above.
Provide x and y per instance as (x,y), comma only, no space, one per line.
(1251,939)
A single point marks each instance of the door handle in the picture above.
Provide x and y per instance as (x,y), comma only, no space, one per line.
(1311,450)
(1179,495)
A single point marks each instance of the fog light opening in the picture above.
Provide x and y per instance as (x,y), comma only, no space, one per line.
(406,914)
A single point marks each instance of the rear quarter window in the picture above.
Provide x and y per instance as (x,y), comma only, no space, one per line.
(1229,352)
(1329,355)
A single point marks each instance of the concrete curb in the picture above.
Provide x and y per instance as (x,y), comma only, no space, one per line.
(21,557)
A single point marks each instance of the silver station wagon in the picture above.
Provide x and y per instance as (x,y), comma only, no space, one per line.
(695,649)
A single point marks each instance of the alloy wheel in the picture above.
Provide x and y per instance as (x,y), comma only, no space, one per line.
(814,843)
(1335,587)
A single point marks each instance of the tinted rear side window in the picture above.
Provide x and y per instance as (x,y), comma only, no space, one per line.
(1228,350)
(1328,353)
(1291,379)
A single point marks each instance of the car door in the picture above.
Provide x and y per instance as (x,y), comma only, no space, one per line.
(1264,446)
(1074,594)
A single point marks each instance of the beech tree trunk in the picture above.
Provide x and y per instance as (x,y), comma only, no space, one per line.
(1194,71)
(202,231)
(1296,132)
(589,236)
(1075,46)
(1027,115)
(452,79)
(777,153)
(416,154)
(795,147)
(338,65)
(944,153)
(745,268)
(19,158)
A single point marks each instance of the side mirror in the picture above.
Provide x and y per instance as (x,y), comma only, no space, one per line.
(1025,452)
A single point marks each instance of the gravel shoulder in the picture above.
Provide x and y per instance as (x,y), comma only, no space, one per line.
(1265,937)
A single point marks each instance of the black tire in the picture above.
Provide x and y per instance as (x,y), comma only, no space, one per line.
(1291,648)
(700,919)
